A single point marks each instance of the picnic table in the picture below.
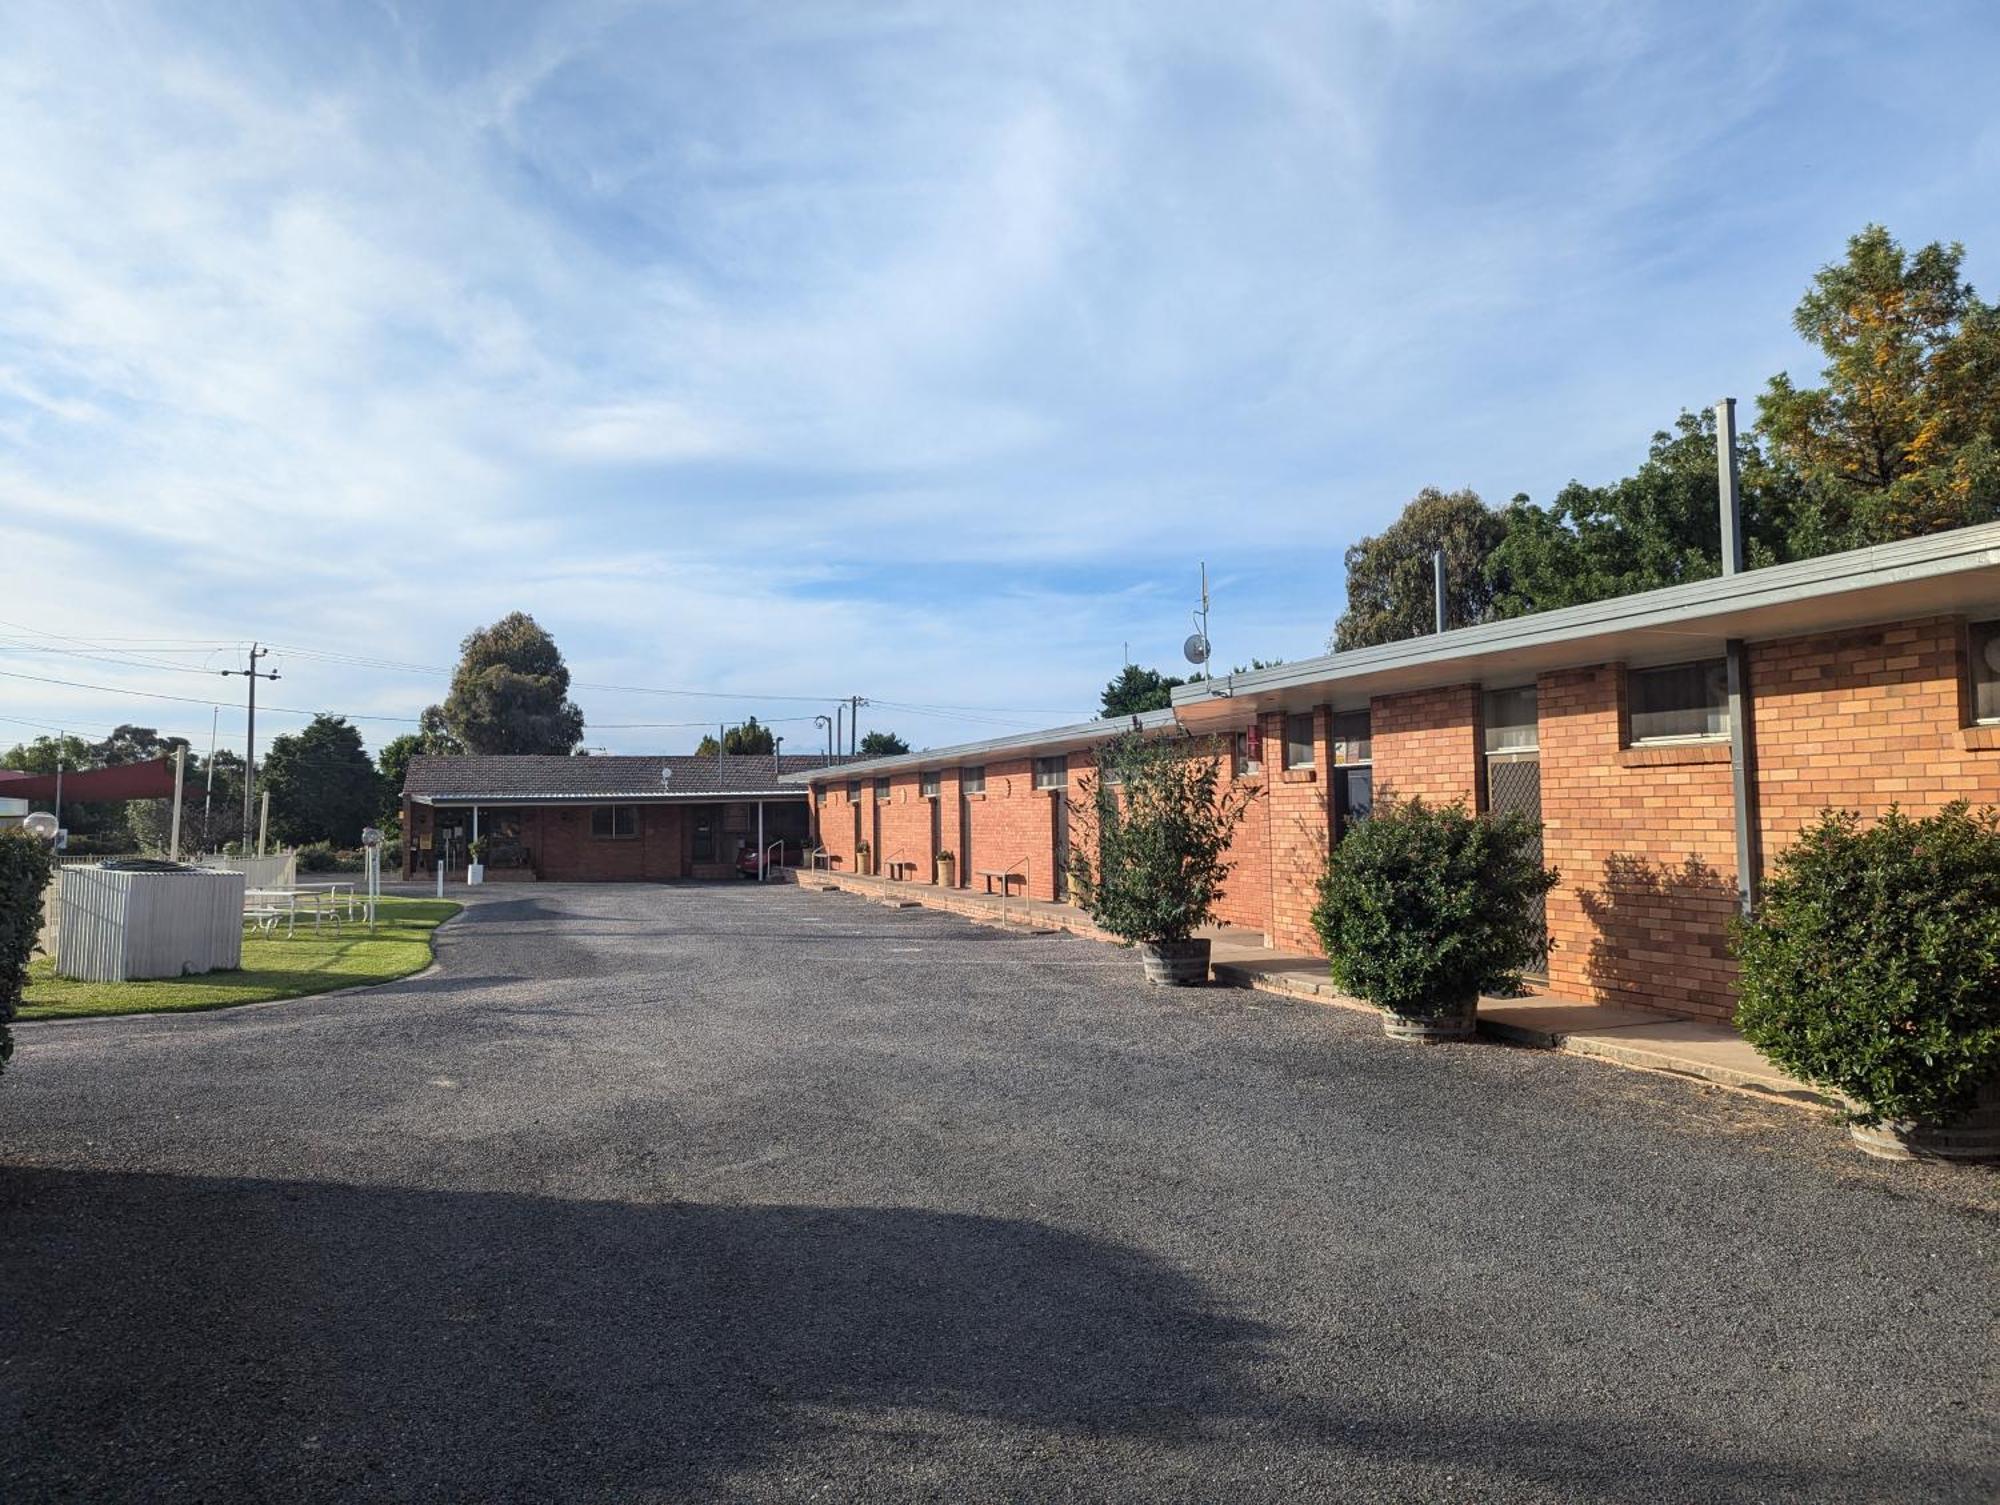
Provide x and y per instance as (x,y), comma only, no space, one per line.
(264,907)
(332,888)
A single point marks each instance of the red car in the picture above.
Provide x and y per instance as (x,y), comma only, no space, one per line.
(790,855)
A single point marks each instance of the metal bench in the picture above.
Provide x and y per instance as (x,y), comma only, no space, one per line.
(1003,874)
(900,868)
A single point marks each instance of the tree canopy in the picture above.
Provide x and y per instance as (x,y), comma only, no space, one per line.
(1901,438)
(1389,579)
(1138,690)
(882,745)
(322,783)
(746,739)
(510,692)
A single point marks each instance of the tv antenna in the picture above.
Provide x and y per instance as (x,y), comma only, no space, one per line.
(1196,648)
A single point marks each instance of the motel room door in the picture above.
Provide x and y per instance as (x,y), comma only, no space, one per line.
(1059,824)
(1512,733)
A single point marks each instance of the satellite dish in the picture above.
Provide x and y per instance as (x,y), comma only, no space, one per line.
(41,824)
(666,777)
(1196,649)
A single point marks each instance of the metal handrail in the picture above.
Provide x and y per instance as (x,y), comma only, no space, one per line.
(812,861)
(1005,873)
(902,856)
(764,872)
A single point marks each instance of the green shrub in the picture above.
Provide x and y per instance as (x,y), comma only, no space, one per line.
(1149,849)
(1422,906)
(322,857)
(1872,965)
(26,864)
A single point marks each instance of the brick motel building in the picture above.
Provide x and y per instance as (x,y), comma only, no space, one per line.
(1671,742)
(600,819)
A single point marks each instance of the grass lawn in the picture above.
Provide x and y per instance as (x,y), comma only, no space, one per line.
(274,966)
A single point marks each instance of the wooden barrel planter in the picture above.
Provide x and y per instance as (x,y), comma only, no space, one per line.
(1972,1138)
(1176,964)
(1455,1022)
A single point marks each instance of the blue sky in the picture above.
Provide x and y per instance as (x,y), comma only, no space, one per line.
(911,351)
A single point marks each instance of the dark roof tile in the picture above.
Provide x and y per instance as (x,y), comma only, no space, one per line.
(500,777)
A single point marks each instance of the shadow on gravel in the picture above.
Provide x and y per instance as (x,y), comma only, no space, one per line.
(216,1337)
(186,1337)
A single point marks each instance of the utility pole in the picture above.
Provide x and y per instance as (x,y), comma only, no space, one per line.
(252,674)
(854,722)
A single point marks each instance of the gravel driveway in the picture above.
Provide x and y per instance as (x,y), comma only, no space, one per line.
(679,1192)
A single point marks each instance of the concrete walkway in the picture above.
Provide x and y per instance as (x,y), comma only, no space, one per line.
(1629,1034)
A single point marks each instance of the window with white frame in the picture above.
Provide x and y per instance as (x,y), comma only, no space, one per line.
(1986,671)
(1299,740)
(1679,703)
(854,791)
(973,780)
(1353,737)
(929,787)
(881,791)
(1512,721)
(1052,773)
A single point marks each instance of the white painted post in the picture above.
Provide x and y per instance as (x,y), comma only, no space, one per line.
(763,871)
(439,869)
(180,779)
(263,820)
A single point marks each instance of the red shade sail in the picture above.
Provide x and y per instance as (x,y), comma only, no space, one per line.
(89,786)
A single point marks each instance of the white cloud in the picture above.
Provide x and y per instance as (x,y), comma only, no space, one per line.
(916,352)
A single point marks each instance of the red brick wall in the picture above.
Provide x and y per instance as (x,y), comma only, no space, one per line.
(1863,720)
(1296,833)
(906,828)
(1013,821)
(1645,841)
(1246,893)
(1427,745)
(565,851)
(836,818)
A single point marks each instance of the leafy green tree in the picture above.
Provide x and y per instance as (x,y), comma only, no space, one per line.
(1136,691)
(1389,585)
(322,783)
(436,735)
(1904,437)
(510,693)
(882,745)
(1660,526)
(1152,827)
(746,739)
(133,744)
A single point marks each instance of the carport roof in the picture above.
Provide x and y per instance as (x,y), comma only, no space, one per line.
(531,779)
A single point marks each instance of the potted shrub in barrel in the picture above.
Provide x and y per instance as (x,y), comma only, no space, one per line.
(1150,833)
(864,859)
(1872,969)
(947,870)
(475,870)
(1424,907)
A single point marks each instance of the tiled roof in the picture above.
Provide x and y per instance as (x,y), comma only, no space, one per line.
(528,777)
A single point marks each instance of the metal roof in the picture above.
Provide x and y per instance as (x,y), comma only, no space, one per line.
(1054,739)
(530,779)
(1942,574)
